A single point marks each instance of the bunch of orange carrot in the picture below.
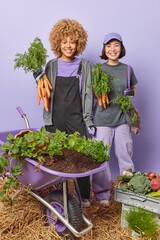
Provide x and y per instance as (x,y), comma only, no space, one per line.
(101,84)
(43,88)
(103,99)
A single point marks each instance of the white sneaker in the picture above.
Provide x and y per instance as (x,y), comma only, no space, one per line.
(104,202)
(85,202)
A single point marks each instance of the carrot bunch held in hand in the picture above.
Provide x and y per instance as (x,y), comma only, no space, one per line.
(103,99)
(33,60)
(43,88)
(101,85)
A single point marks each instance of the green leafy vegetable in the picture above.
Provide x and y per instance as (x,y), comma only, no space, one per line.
(140,184)
(34,59)
(123,186)
(95,149)
(125,104)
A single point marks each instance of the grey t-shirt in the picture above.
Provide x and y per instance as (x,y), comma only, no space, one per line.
(113,115)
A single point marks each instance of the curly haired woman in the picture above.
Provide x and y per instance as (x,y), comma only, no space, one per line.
(71,101)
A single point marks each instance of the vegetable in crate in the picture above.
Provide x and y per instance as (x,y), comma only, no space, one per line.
(155,194)
(32,61)
(152,175)
(101,84)
(155,184)
(140,183)
(124,179)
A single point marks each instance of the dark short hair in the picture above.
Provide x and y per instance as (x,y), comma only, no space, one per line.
(123,52)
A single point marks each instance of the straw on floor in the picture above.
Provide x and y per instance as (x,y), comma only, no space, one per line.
(25,220)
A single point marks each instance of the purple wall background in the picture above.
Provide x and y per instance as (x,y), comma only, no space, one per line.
(138,23)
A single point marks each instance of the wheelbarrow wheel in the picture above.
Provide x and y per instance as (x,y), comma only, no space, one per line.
(55,198)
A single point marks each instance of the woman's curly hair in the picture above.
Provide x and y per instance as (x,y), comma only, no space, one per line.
(64,28)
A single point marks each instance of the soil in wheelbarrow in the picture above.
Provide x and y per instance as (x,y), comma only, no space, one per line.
(70,162)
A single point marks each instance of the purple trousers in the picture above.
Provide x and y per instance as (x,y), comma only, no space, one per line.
(123,147)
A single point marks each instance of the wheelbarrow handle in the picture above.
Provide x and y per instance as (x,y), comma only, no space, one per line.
(20,111)
(23,116)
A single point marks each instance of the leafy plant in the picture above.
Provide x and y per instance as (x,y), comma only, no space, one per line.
(34,144)
(142,221)
(96,150)
(125,104)
(34,59)
(101,81)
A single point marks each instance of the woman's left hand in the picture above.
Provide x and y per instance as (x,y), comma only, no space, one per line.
(91,130)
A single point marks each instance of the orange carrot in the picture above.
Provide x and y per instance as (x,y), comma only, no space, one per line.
(39,100)
(107,99)
(46,79)
(39,92)
(100,100)
(39,87)
(45,101)
(134,89)
(43,89)
(104,101)
(47,89)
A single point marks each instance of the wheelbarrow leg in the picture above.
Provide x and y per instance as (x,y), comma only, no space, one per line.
(16,193)
(65,200)
(78,194)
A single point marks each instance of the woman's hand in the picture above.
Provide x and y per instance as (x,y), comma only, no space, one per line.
(91,130)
